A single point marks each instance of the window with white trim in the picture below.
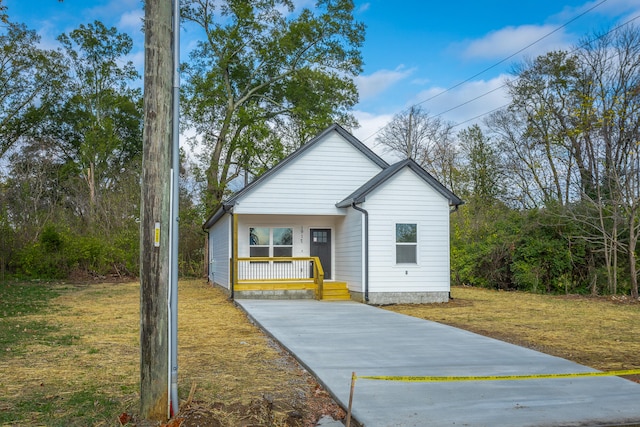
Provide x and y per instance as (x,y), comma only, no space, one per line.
(406,243)
(270,242)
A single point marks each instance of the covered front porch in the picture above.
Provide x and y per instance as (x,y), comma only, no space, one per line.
(286,256)
(284,278)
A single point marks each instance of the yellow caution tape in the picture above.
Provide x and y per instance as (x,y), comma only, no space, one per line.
(411,379)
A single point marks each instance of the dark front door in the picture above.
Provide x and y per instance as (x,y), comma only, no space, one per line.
(320,246)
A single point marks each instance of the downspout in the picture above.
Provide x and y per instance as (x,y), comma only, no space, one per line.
(366,250)
(451,212)
(208,255)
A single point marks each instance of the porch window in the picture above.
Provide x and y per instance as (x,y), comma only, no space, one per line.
(282,241)
(406,243)
(270,242)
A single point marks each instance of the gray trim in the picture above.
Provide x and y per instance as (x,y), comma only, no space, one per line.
(361,193)
(223,209)
(333,128)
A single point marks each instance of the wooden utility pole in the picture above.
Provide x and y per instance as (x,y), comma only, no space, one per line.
(155,205)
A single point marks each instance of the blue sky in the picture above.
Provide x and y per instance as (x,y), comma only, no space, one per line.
(413,51)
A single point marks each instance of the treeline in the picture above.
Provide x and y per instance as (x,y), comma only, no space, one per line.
(71,141)
(260,81)
(552,182)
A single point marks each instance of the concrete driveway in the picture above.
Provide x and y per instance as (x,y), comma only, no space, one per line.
(334,339)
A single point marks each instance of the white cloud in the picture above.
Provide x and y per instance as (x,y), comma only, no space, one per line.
(373,84)
(298,5)
(131,21)
(48,34)
(111,12)
(469,101)
(420,82)
(509,40)
(137,58)
(364,7)
(609,8)
(370,125)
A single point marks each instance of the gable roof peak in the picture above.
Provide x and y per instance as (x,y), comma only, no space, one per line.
(335,127)
(361,193)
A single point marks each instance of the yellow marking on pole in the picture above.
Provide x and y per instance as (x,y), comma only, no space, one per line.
(431,379)
(156,235)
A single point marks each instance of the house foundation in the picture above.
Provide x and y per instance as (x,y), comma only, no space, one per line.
(384,298)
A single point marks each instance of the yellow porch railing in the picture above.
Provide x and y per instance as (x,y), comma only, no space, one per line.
(279,269)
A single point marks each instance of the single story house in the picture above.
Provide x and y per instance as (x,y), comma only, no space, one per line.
(334,221)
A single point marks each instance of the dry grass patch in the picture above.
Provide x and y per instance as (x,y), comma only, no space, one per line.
(601,332)
(83,367)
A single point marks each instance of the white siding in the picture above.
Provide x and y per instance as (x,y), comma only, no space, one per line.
(313,182)
(220,251)
(406,198)
(349,249)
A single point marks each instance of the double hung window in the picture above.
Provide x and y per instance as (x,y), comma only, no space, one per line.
(270,242)
(406,243)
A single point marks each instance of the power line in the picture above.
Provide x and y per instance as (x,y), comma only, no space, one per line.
(480,115)
(512,55)
(496,64)
(470,101)
(502,86)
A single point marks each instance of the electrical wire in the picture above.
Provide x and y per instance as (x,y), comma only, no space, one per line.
(493,66)
(502,86)
(512,55)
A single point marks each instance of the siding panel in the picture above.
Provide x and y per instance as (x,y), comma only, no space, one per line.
(220,251)
(313,183)
(408,199)
(349,247)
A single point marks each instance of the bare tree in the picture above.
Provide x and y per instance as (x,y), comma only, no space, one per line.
(570,139)
(612,64)
(428,140)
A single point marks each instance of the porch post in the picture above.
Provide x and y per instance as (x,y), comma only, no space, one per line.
(234,245)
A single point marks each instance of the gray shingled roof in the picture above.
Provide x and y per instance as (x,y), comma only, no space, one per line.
(361,193)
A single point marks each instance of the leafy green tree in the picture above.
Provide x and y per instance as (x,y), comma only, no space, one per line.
(570,142)
(483,237)
(29,78)
(32,191)
(99,125)
(80,167)
(542,260)
(264,78)
(483,171)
